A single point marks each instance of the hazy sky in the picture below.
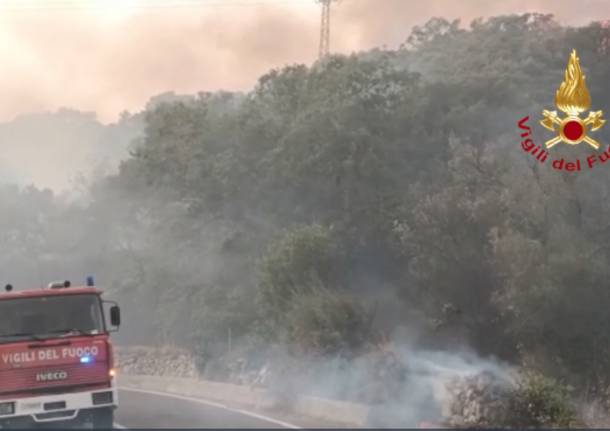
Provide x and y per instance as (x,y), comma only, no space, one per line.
(110,55)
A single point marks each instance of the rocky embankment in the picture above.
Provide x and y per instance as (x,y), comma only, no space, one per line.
(151,361)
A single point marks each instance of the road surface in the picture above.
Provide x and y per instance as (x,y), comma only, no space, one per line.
(154,410)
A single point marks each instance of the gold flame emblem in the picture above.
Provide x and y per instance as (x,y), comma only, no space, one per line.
(573,98)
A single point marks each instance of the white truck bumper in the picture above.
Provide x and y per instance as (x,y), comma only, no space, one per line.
(60,407)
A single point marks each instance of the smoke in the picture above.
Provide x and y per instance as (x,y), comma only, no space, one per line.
(107,64)
(431,372)
(420,394)
(64,150)
(105,61)
(89,61)
(362,24)
(114,59)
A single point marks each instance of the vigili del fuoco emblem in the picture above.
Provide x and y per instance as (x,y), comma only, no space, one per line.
(573,98)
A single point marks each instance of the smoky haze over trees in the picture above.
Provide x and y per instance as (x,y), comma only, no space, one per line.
(384,192)
(64,150)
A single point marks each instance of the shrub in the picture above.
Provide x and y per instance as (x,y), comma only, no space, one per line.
(540,401)
(328,323)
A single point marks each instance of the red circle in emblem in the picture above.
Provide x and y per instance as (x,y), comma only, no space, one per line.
(573,130)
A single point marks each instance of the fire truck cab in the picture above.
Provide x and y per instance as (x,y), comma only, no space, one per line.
(56,358)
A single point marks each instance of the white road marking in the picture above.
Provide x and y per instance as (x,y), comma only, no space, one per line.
(217,405)
(119,426)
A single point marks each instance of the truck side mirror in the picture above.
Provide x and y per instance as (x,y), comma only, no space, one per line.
(115,315)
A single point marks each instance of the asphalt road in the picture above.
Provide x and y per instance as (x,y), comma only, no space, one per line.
(146,410)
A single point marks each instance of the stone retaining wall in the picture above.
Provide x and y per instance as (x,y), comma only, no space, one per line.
(152,361)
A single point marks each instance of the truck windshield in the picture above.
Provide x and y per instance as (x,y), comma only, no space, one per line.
(49,316)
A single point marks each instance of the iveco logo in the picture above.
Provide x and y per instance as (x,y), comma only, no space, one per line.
(51,375)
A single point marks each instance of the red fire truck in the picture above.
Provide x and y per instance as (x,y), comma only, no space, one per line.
(56,359)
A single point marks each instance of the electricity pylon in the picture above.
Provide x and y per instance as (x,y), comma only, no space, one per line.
(325,28)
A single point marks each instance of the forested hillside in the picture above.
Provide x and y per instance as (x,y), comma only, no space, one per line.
(382,195)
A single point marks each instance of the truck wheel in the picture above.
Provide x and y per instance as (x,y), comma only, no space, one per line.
(103,418)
